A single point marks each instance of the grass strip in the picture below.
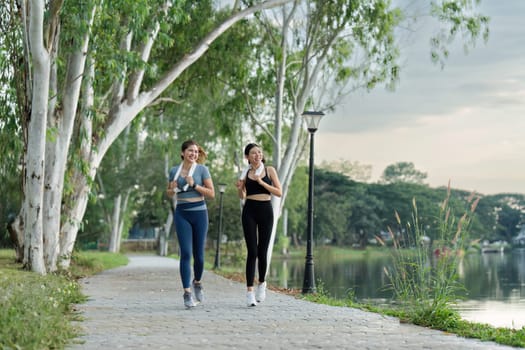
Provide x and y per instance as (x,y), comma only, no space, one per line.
(37,311)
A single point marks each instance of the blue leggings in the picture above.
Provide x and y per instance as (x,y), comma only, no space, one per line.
(191,224)
(257,223)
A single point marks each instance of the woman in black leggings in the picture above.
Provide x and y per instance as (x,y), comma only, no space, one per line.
(256,186)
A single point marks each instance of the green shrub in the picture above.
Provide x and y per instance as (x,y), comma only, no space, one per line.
(33,309)
(36,311)
(424,280)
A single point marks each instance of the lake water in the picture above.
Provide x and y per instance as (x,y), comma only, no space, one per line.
(494,282)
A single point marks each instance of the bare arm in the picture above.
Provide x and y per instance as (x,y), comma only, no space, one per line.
(275,187)
(206,189)
(170,191)
(241,189)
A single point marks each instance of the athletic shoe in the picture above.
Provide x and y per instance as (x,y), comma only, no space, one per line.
(197,291)
(188,300)
(260,293)
(250,299)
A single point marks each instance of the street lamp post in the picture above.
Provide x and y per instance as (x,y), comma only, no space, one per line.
(312,122)
(217,264)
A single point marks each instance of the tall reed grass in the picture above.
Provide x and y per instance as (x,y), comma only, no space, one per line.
(424,276)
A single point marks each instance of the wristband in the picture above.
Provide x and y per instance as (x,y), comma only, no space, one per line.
(194,185)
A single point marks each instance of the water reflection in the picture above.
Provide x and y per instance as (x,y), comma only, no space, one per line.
(495,283)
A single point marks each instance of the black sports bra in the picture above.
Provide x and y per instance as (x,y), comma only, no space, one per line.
(253,187)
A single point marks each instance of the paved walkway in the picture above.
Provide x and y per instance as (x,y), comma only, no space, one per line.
(140,306)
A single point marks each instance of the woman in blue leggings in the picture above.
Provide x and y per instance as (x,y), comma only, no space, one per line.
(256,186)
(191,183)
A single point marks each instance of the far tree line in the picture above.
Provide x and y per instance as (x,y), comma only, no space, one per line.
(347,212)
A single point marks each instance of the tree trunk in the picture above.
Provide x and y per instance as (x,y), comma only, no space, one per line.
(75,204)
(121,222)
(34,177)
(35,153)
(164,234)
(57,154)
(282,167)
(276,205)
(74,212)
(115,220)
(16,233)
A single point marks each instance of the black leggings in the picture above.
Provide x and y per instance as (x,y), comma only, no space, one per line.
(257,223)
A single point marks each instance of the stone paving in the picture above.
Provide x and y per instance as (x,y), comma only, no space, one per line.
(140,306)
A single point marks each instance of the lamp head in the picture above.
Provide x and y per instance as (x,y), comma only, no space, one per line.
(222,187)
(312,119)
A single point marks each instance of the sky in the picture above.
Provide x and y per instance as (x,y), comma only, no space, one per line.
(464,123)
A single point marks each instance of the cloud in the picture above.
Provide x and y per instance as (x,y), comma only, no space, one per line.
(465,145)
(464,122)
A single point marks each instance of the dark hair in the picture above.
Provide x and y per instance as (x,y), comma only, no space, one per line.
(248,148)
(187,144)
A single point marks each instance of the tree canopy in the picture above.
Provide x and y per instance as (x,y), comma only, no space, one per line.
(403,172)
(79,74)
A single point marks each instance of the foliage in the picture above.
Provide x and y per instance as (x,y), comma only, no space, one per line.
(206,102)
(505,336)
(321,296)
(232,258)
(509,220)
(202,104)
(9,205)
(364,218)
(296,203)
(343,208)
(403,172)
(328,207)
(231,215)
(33,309)
(353,170)
(337,31)
(88,263)
(426,281)
(11,135)
(131,168)
(37,310)
(282,243)
(461,19)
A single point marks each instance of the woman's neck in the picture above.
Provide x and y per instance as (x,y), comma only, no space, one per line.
(186,165)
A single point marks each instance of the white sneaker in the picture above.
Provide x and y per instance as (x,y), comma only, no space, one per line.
(250,299)
(260,293)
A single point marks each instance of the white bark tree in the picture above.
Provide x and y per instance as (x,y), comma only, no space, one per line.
(324,50)
(312,34)
(120,201)
(33,206)
(48,242)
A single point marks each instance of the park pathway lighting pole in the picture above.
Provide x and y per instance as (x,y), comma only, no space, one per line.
(312,122)
(217,264)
